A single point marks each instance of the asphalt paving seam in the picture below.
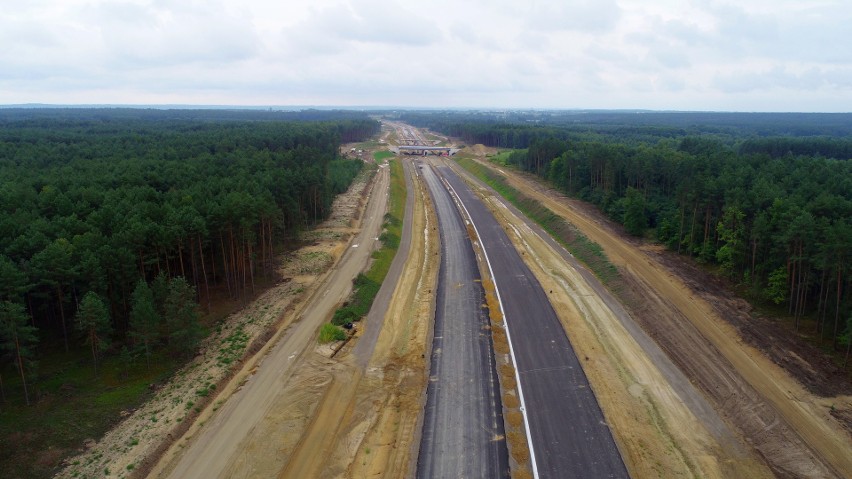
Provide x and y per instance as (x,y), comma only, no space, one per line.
(462,431)
(508,334)
(573,440)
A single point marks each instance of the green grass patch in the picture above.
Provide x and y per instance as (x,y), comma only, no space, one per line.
(232,347)
(73,404)
(381,155)
(584,249)
(501,158)
(366,285)
(330,332)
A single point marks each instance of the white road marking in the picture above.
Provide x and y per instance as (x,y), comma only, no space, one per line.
(509,337)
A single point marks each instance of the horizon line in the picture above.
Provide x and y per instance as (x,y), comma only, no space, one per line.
(248,107)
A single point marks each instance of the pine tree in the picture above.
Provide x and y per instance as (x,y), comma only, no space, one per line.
(145,321)
(182,317)
(93,321)
(17,338)
(635,220)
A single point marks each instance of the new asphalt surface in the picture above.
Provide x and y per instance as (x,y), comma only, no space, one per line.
(463,434)
(569,436)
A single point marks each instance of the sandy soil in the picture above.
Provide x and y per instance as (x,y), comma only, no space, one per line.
(789,427)
(341,421)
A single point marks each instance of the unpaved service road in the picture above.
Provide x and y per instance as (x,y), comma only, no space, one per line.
(219,442)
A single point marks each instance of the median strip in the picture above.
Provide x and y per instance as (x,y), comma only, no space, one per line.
(366,285)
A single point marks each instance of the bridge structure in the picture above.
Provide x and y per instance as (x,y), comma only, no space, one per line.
(424,150)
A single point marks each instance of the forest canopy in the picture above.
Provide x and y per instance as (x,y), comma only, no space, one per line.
(97,204)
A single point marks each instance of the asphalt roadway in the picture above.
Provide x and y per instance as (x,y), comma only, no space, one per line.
(568,433)
(463,435)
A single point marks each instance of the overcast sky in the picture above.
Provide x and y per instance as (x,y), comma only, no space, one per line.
(745,55)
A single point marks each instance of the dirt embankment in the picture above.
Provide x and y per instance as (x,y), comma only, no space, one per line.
(330,416)
(365,423)
(700,329)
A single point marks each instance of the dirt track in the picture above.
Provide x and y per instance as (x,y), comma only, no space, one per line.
(239,428)
(770,409)
(330,416)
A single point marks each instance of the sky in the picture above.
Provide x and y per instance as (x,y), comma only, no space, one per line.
(717,55)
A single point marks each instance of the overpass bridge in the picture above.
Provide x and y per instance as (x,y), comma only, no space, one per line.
(424,150)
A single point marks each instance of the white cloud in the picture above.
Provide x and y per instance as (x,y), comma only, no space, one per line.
(137,36)
(662,54)
(580,15)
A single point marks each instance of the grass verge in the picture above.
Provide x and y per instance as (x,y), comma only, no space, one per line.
(584,249)
(74,404)
(381,155)
(367,284)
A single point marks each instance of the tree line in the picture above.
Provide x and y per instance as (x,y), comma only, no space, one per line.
(773,213)
(627,124)
(115,226)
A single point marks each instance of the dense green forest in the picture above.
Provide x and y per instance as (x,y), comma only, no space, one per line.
(766,198)
(116,224)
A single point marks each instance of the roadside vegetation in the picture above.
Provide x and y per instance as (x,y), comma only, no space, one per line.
(330,332)
(587,251)
(366,285)
(762,200)
(382,155)
(125,236)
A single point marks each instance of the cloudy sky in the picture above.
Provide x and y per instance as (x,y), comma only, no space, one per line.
(744,55)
